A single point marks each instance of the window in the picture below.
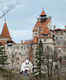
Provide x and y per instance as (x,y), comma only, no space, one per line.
(35,33)
(61,37)
(21,46)
(44,40)
(53,36)
(64,57)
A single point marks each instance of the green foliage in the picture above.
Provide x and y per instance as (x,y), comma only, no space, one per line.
(3,57)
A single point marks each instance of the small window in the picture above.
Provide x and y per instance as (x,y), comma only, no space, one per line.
(21,46)
(35,33)
(44,40)
(53,36)
(61,37)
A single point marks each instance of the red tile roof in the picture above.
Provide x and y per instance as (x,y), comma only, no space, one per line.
(59,29)
(43,13)
(5,31)
(28,42)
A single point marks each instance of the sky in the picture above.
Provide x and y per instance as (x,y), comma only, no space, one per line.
(21,15)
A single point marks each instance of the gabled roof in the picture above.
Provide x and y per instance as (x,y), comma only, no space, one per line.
(5,32)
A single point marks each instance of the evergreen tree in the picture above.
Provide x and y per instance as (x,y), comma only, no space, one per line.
(39,52)
(3,57)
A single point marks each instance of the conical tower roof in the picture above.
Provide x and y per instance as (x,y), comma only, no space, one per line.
(5,32)
(42,13)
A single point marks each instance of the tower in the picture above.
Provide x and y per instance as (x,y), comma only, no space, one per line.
(5,36)
(42,26)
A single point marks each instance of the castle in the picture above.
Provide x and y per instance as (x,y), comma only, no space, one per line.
(54,39)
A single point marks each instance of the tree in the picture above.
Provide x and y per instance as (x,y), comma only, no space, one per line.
(39,52)
(3,56)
